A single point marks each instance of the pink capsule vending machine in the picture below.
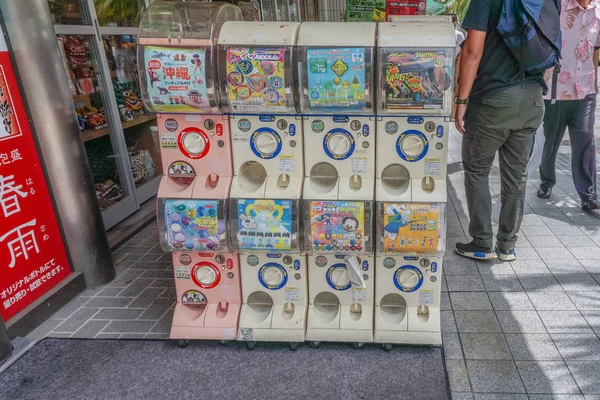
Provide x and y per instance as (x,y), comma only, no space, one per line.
(176,60)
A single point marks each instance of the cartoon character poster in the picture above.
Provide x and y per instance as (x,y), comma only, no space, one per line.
(265,224)
(193,225)
(415,79)
(410,227)
(255,79)
(337,226)
(176,79)
(336,79)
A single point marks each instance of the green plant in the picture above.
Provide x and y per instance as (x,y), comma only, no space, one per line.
(122,12)
(458,7)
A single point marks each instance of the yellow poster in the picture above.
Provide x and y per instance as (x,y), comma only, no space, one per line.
(255,79)
(411,227)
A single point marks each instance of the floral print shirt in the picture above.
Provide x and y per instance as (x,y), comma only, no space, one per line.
(580,36)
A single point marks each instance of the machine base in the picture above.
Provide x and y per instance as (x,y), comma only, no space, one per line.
(270,335)
(410,338)
(195,329)
(339,335)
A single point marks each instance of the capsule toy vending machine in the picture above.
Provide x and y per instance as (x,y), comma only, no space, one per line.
(336,92)
(177,63)
(416,69)
(258,90)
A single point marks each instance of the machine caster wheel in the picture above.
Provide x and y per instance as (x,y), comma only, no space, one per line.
(183,343)
(314,344)
(222,342)
(293,346)
(387,347)
(357,345)
(251,345)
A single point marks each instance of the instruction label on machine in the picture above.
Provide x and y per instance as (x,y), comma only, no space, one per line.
(359,165)
(256,79)
(426,297)
(337,226)
(411,227)
(265,224)
(287,163)
(359,294)
(176,79)
(433,166)
(292,294)
(182,273)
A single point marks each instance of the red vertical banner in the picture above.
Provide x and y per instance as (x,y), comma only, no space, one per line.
(405,7)
(33,258)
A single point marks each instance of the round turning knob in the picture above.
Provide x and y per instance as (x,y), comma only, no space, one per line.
(339,144)
(266,143)
(206,275)
(340,277)
(412,145)
(408,278)
(194,143)
(273,276)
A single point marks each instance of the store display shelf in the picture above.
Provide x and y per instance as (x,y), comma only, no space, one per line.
(91,134)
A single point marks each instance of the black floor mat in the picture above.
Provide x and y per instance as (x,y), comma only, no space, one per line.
(145,369)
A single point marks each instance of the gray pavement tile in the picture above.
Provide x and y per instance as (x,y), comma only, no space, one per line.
(136,287)
(592,266)
(152,265)
(540,283)
(146,298)
(540,242)
(577,347)
(126,278)
(477,321)
(444,284)
(532,219)
(499,396)
(457,376)
(109,302)
(504,301)
(547,377)
(110,291)
(163,283)
(59,334)
(76,320)
(568,230)
(555,254)
(129,327)
(156,336)
(565,267)
(502,283)
(470,301)
(577,282)
(158,274)
(448,322)
(494,268)
(445,304)
(587,376)
(520,322)
(494,376)
(576,241)
(70,307)
(464,266)
(107,336)
(465,283)
(593,319)
(157,308)
(43,329)
(551,301)
(169,293)
(556,397)
(527,253)
(452,348)
(485,346)
(118,313)
(90,329)
(536,230)
(564,322)
(586,300)
(164,324)
(535,267)
(132,336)
(534,346)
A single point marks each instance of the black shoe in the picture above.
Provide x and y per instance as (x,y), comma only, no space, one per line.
(471,250)
(544,192)
(590,205)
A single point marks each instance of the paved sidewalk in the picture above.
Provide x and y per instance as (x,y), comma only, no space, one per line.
(527,329)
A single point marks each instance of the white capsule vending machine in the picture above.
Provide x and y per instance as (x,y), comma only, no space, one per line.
(410,248)
(336,81)
(176,58)
(416,69)
(258,88)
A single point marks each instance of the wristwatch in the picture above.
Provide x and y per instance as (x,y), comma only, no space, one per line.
(460,101)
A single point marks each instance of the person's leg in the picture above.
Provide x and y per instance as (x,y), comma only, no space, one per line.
(486,131)
(555,124)
(583,149)
(513,157)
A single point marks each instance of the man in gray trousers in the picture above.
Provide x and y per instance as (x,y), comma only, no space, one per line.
(505,108)
(575,106)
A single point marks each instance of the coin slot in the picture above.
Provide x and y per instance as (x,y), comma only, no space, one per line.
(395,179)
(428,184)
(212,181)
(288,311)
(283,181)
(355,311)
(423,313)
(355,182)
(252,176)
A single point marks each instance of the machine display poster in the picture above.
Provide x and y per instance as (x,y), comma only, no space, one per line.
(337,226)
(405,7)
(255,79)
(410,227)
(365,10)
(193,225)
(176,79)
(265,224)
(336,78)
(415,79)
